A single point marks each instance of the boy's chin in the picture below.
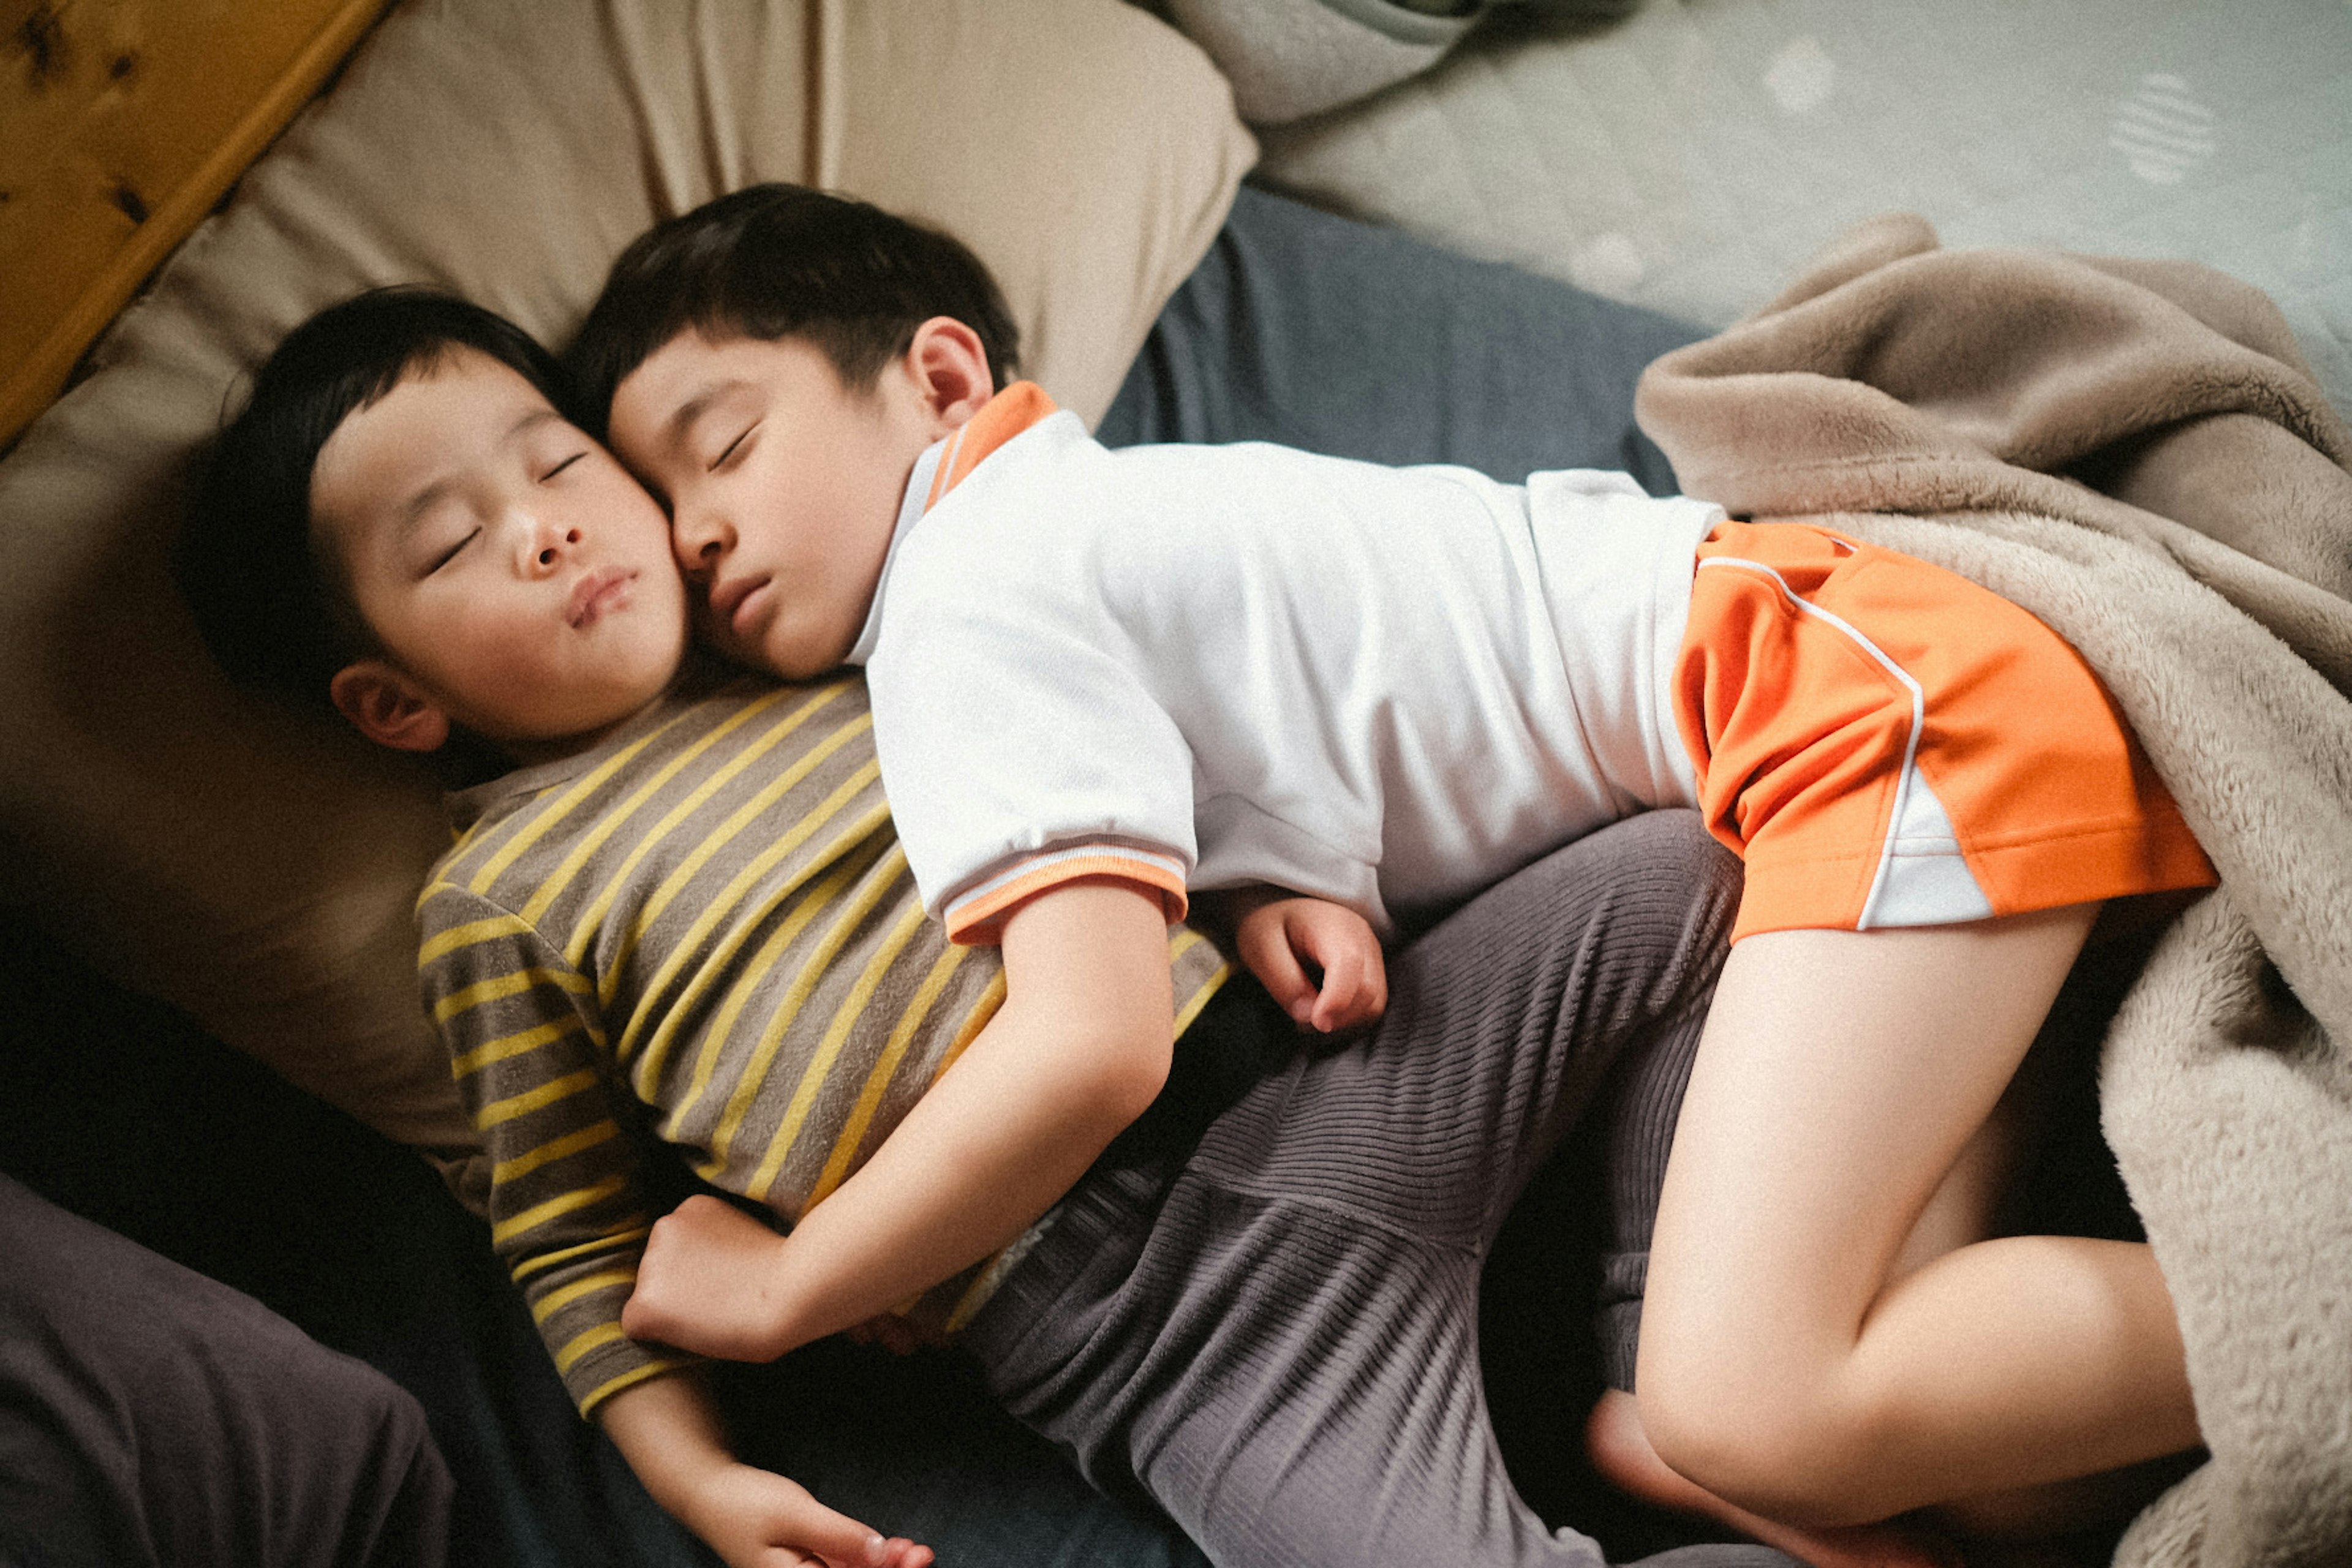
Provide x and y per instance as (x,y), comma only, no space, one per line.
(785,663)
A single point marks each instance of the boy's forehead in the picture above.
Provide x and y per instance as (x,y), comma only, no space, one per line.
(440,417)
(462,395)
(674,385)
(656,405)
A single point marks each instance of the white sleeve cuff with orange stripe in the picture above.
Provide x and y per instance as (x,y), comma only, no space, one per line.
(975,917)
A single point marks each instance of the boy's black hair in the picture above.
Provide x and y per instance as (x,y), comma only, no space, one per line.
(775,261)
(272,601)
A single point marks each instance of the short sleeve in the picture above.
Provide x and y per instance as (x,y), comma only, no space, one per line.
(1019,748)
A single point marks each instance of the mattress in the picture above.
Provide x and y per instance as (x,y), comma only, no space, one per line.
(1692,156)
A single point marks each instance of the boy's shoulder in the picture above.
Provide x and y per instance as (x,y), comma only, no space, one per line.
(997,487)
(1018,437)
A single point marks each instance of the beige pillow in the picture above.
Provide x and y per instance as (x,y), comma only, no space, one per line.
(258,872)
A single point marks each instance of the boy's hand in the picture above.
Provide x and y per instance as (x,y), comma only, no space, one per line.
(757,1518)
(711,1281)
(668,1431)
(1280,936)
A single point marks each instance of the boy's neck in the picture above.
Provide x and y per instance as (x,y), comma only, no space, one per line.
(697,673)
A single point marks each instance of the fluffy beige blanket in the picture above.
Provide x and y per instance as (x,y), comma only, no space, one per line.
(2135,452)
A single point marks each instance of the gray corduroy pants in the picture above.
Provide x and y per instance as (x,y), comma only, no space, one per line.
(1272,1332)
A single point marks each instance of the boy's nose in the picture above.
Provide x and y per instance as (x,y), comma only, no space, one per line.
(699,542)
(548,544)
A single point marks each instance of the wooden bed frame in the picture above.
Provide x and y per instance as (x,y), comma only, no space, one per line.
(122,123)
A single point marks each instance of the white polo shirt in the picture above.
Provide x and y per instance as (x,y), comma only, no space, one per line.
(1206,667)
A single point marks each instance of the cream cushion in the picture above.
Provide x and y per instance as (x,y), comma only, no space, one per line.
(260,871)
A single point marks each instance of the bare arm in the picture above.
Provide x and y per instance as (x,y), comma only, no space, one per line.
(1077,1052)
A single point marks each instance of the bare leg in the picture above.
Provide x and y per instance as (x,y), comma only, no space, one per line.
(1841,1076)
(1960,1211)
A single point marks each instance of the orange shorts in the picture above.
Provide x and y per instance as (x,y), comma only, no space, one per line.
(1887,744)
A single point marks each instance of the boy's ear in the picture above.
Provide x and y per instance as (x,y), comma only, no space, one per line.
(387,707)
(949,367)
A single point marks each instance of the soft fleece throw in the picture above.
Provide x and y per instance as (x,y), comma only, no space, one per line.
(2136,452)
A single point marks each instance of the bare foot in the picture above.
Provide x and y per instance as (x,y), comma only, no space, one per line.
(1621,1451)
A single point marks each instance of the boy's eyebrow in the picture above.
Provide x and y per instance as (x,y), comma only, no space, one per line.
(681,418)
(423,500)
(532,420)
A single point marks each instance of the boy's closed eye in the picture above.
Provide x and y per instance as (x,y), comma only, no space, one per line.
(548,471)
(739,447)
(452,553)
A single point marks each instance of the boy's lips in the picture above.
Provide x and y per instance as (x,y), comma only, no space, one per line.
(596,592)
(729,599)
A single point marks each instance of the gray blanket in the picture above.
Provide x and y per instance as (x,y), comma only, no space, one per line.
(2136,452)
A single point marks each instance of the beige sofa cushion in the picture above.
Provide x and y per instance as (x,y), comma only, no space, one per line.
(258,872)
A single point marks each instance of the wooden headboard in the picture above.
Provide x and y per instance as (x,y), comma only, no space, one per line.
(122,124)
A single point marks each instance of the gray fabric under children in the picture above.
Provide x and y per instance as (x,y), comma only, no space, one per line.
(1289,59)
(150,1416)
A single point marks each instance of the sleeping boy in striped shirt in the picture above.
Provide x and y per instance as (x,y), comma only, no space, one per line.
(687,875)
(1131,675)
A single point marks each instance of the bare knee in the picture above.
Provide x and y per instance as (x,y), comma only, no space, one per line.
(1782,1446)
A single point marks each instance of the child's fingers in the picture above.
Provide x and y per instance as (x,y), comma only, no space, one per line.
(1354,991)
(1376,983)
(895,1552)
(891,1554)
(810,1532)
(758,1518)
(1266,949)
(1355,976)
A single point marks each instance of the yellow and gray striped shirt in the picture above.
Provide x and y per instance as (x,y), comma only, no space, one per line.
(703,928)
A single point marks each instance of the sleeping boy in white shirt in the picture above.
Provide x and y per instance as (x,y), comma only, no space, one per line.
(1244,669)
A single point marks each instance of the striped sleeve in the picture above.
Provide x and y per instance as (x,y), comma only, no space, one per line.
(527,1046)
